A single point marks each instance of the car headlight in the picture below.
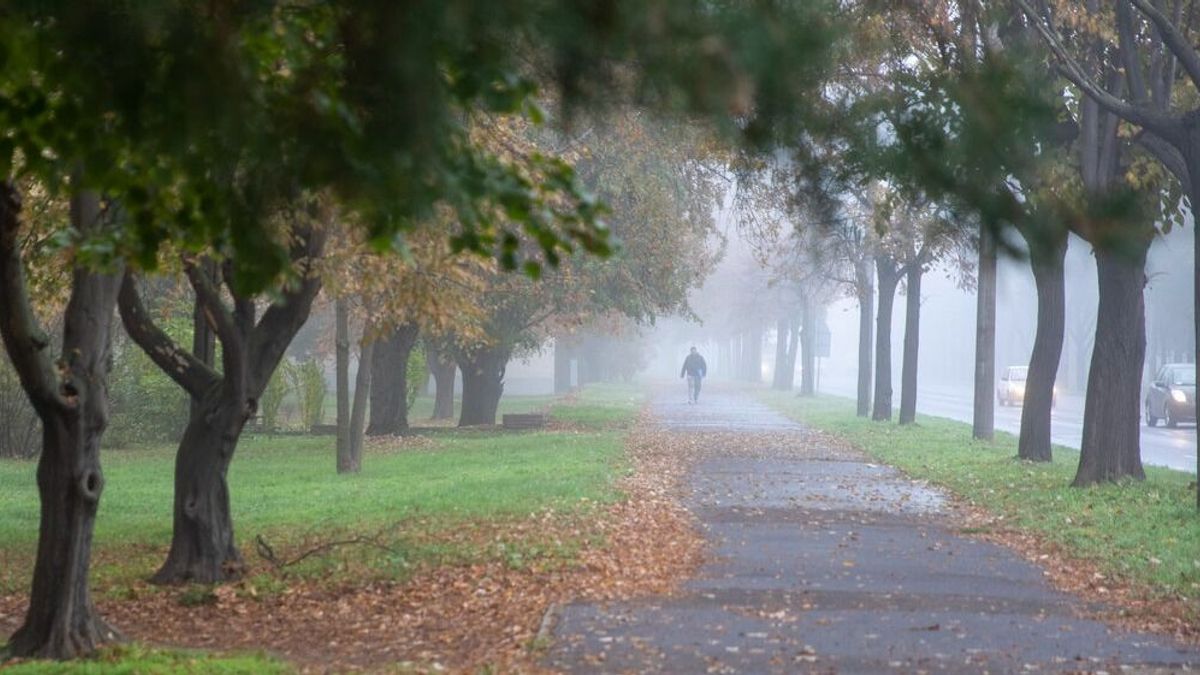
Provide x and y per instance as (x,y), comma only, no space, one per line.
(1179,396)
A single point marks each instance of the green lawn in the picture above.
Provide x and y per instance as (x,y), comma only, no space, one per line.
(137,660)
(1147,532)
(285,488)
(601,406)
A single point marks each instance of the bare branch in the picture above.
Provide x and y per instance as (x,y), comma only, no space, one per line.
(285,316)
(1166,153)
(180,365)
(1069,68)
(221,319)
(1176,41)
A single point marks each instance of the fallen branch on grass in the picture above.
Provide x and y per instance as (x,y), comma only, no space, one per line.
(267,553)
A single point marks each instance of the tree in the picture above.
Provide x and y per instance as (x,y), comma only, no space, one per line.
(71,401)
(202,544)
(199,122)
(1132,80)
(389,371)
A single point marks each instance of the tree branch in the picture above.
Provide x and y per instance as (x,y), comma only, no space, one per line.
(1176,41)
(1069,68)
(1166,153)
(180,365)
(223,322)
(24,340)
(280,322)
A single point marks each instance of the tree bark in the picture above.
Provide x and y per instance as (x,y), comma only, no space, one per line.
(342,344)
(483,384)
(71,399)
(389,382)
(1111,447)
(889,278)
(912,344)
(1034,442)
(866,311)
(793,353)
(1193,160)
(563,351)
(443,369)
(780,380)
(358,414)
(984,417)
(808,349)
(204,338)
(203,548)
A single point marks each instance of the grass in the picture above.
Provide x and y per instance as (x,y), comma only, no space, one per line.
(138,660)
(443,502)
(286,489)
(600,406)
(1147,532)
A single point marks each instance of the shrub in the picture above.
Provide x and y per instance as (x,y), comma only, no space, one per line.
(146,406)
(272,397)
(308,383)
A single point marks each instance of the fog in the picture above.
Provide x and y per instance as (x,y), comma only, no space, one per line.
(739,295)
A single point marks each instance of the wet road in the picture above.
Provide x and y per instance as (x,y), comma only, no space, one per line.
(1172,448)
(823,562)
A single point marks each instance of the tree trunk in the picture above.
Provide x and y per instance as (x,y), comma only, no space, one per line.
(1194,199)
(389,382)
(442,368)
(912,344)
(483,384)
(563,350)
(984,417)
(1111,447)
(889,278)
(792,354)
(808,350)
(202,544)
(1034,442)
(866,310)
(71,398)
(203,549)
(782,331)
(358,414)
(204,338)
(342,344)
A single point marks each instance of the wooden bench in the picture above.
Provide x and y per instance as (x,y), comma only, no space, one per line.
(525,421)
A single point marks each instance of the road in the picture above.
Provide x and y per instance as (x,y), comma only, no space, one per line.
(1172,448)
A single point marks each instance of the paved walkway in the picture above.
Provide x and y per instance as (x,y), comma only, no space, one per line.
(826,563)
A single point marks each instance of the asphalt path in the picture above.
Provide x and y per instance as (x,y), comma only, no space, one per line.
(824,562)
(1171,448)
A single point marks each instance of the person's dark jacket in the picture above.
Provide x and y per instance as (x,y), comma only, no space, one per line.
(694,365)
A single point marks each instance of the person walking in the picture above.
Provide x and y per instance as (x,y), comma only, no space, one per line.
(695,369)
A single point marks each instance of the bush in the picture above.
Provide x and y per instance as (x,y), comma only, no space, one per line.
(308,383)
(146,406)
(273,395)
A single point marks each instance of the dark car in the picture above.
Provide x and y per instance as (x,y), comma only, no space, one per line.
(1172,396)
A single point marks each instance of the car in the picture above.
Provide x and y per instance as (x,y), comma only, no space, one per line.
(1012,387)
(1172,395)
